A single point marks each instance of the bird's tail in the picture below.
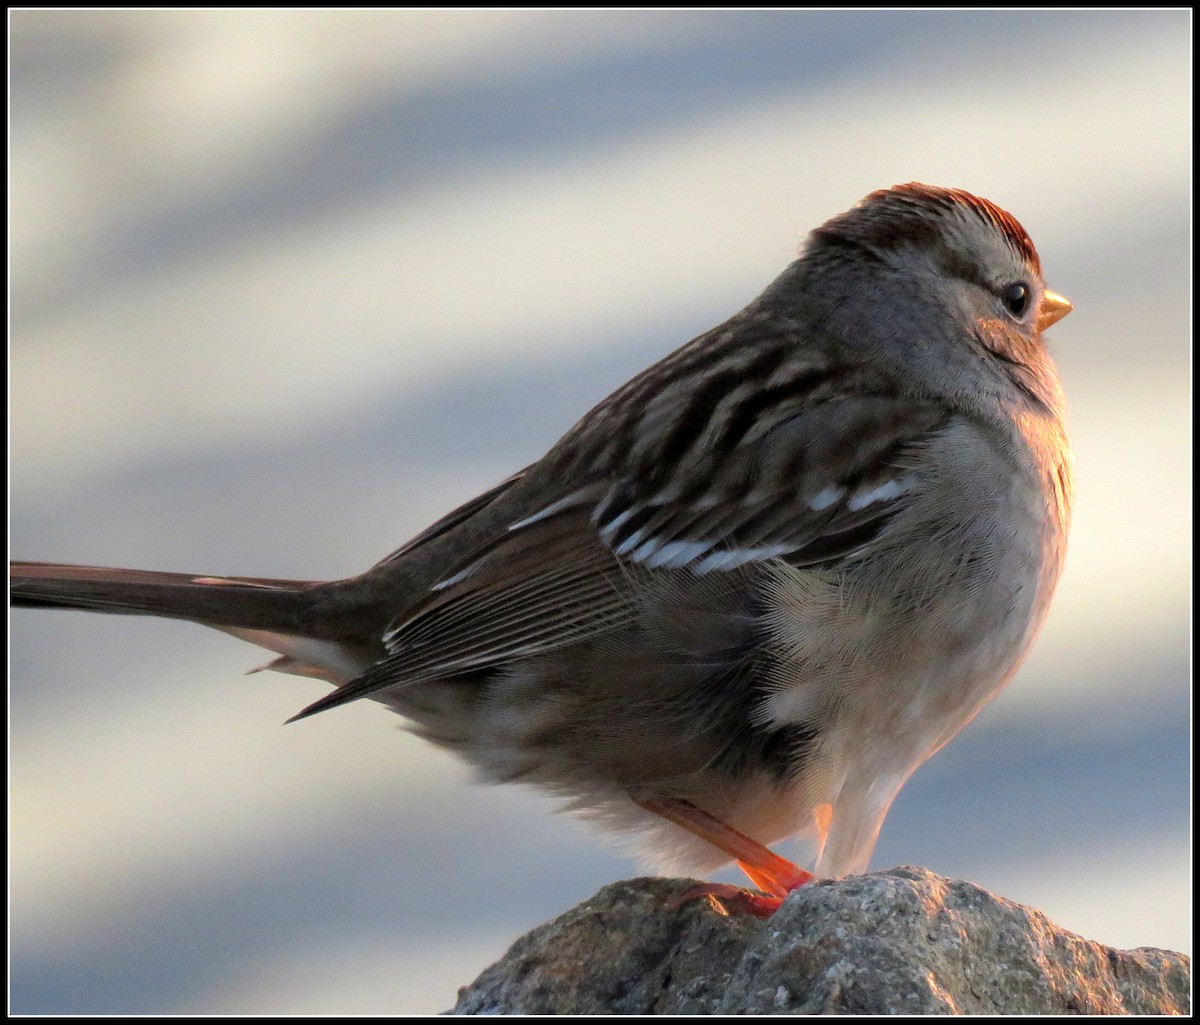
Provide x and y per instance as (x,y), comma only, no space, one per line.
(288,617)
(214,601)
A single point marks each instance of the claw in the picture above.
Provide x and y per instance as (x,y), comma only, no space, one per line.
(775,876)
(722,897)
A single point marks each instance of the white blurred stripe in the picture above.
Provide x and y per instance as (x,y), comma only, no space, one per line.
(104,803)
(355,976)
(378,301)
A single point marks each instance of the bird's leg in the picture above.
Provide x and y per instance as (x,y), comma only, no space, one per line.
(775,876)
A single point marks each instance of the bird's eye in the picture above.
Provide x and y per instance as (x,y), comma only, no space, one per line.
(1016,298)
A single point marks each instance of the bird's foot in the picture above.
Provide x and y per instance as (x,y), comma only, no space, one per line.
(724,898)
(775,876)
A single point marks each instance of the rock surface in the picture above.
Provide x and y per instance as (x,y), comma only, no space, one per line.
(900,942)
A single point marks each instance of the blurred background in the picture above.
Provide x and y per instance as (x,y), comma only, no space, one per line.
(287,286)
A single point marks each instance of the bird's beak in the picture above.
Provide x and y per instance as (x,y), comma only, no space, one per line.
(1054,308)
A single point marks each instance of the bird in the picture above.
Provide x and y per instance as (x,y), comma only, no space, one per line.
(750,592)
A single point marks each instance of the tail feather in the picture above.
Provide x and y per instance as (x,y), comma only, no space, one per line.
(214,601)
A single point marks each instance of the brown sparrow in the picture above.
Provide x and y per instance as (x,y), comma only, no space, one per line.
(749,592)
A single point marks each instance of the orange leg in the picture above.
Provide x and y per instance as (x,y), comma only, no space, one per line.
(775,876)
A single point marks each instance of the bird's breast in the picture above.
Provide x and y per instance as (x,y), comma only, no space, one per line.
(895,650)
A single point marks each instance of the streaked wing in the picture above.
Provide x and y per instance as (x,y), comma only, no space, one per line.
(541,587)
(535,589)
(811,488)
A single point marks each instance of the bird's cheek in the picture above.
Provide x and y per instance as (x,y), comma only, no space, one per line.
(993,334)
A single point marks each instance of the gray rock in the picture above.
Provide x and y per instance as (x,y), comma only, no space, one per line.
(900,942)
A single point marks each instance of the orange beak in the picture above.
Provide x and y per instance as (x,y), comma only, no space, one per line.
(1054,308)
